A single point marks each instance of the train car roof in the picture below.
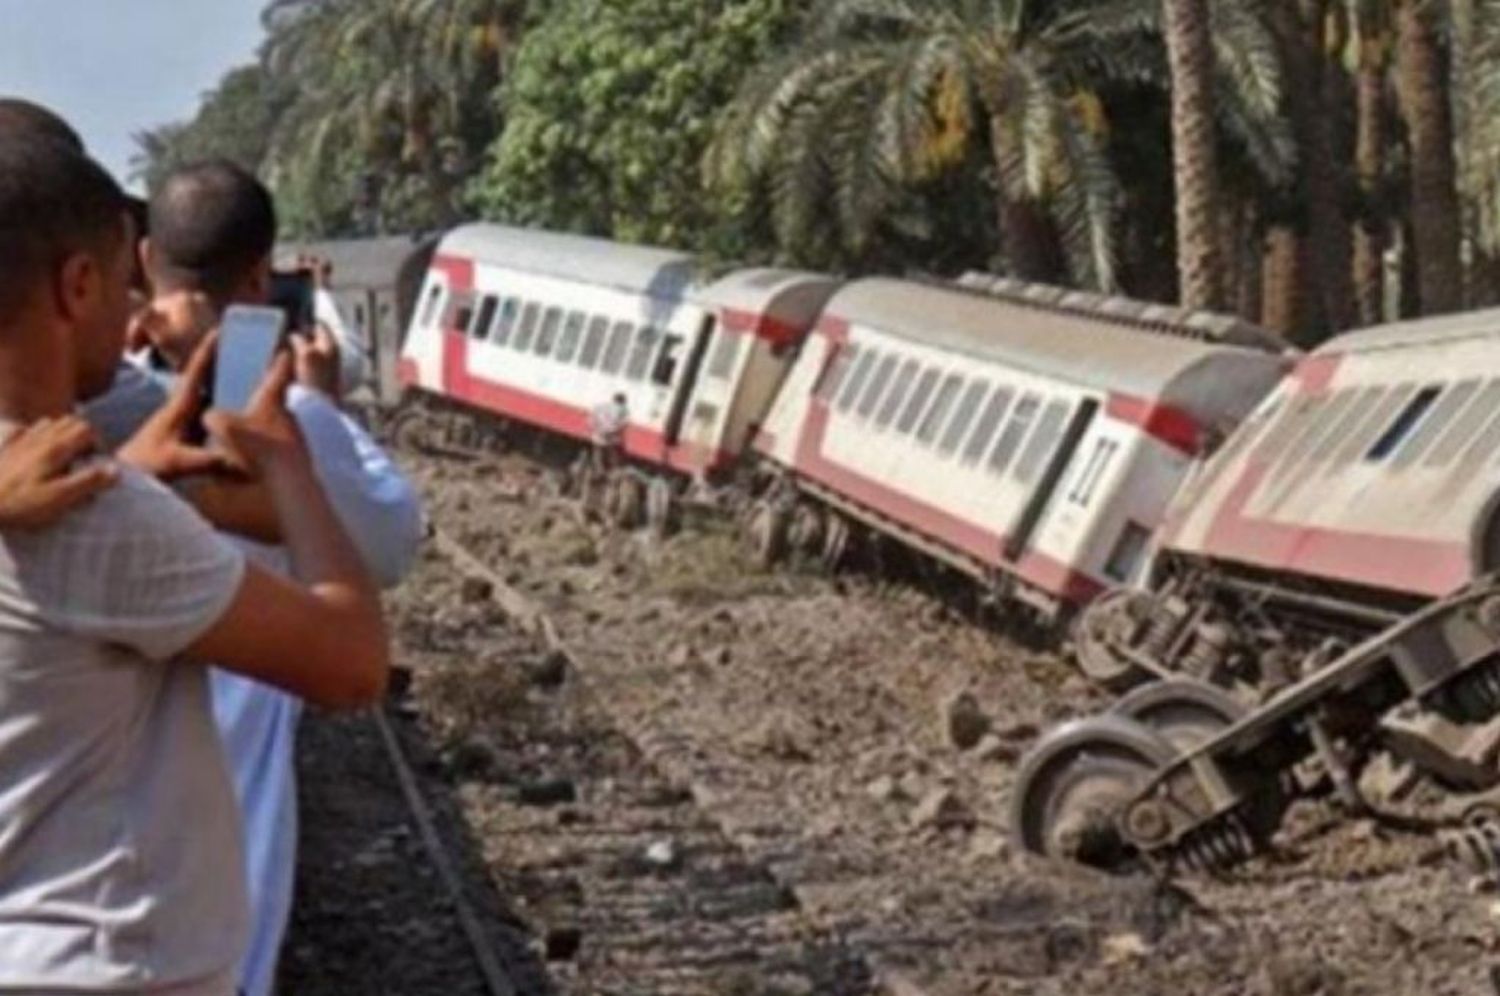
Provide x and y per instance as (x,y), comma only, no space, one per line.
(1092,350)
(659,273)
(1148,316)
(356,262)
(1416,332)
(751,289)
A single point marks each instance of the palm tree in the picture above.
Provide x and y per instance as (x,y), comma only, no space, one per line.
(1190,53)
(1371,45)
(1422,85)
(887,94)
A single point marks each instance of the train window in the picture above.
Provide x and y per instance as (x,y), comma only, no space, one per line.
(1441,418)
(964,416)
(1482,449)
(593,343)
(1293,418)
(546,339)
(1015,430)
(1093,472)
(487,307)
(646,338)
(1310,429)
(430,310)
(1322,436)
(619,346)
(462,313)
(1405,422)
(918,400)
(572,334)
(1049,430)
(527,332)
(834,370)
(947,397)
(726,354)
(858,375)
(1377,412)
(989,424)
(1346,442)
(666,364)
(878,384)
(510,310)
(1129,549)
(1468,425)
(897,394)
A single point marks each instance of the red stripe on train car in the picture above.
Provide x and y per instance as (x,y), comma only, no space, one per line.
(1165,423)
(642,443)
(1315,372)
(1396,563)
(408,374)
(958,533)
(778,333)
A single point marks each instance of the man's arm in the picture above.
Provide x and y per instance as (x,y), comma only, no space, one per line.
(322,637)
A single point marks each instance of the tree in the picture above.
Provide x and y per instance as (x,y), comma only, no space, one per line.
(233,122)
(1190,52)
(610,106)
(1422,71)
(885,95)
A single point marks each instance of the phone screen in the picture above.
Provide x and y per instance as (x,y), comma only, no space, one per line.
(292,292)
(247,341)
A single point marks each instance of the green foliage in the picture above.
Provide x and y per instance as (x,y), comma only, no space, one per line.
(234,121)
(609,108)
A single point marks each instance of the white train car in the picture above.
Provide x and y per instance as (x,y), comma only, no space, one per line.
(1030,442)
(1372,472)
(541,328)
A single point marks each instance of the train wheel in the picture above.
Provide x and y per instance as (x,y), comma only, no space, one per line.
(659,505)
(765,534)
(835,543)
(1111,622)
(806,532)
(1071,786)
(627,501)
(1185,712)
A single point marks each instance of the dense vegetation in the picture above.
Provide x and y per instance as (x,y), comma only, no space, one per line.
(1310,164)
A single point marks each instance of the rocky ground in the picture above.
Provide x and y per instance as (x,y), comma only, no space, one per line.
(769,783)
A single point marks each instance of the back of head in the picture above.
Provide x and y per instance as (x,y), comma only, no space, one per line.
(211,225)
(21,120)
(55,202)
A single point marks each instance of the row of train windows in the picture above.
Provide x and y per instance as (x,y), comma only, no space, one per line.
(591,342)
(957,415)
(1405,423)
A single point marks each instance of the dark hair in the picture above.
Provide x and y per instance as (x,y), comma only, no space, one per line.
(54,202)
(21,120)
(210,223)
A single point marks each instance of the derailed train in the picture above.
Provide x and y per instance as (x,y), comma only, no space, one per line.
(1275,540)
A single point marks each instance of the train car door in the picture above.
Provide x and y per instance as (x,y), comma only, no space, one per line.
(678,414)
(1041,496)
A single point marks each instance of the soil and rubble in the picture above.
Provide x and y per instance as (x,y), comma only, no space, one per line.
(793,783)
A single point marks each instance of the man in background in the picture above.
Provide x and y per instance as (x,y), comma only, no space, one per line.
(212,229)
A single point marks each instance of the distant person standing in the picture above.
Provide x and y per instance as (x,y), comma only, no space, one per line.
(607,424)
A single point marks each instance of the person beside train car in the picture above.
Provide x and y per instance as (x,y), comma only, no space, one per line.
(607,422)
(211,236)
(120,856)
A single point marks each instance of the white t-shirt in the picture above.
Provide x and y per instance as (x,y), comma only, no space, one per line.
(120,859)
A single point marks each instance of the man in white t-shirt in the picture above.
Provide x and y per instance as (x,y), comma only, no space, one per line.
(212,229)
(119,851)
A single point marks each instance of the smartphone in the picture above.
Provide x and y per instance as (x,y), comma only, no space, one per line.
(248,339)
(292,292)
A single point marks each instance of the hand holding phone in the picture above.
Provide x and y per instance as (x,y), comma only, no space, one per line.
(248,340)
